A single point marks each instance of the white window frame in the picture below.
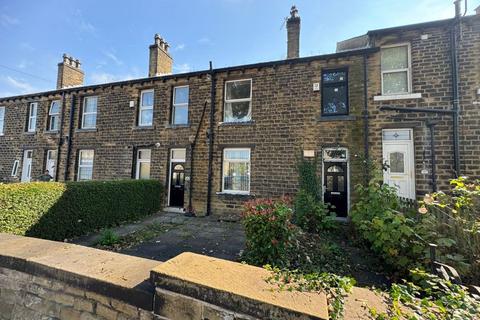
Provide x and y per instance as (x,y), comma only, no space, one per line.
(84,166)
(140,161)
(32,117)
(175,105)
(2,120)
(52,116)
(141,108)
(49,157)
(249,99)
(16,163)
(89,113)
(408,69)
(237,160)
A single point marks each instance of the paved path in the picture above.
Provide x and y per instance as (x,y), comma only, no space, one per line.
(204,235)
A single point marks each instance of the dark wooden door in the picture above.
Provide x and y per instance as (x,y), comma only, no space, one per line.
(335,180)
(177,185)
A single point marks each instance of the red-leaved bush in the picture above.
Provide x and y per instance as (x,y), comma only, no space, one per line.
(268,230)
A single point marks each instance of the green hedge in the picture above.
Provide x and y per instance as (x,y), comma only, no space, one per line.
(56,211)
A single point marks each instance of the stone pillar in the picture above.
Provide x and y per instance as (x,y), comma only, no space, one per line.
(293,34)
(69,73)
(160,62)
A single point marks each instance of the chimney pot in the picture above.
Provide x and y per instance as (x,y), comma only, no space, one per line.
(157,39)
(166,46)
(293,34)
(477,11)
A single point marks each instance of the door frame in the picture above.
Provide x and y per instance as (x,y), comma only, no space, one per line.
(23,165)
(170,162)
(347,161)
(411,148)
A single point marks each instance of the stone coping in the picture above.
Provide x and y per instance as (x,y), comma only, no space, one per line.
(236,286)
(114,275)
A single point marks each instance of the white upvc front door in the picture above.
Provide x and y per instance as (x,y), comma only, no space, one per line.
(27,166)
(398,155)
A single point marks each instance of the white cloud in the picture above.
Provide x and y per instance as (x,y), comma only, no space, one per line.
(19,85)
(83,24)
(182,68)
(105,77)
(113,57)
(204,40)
(179,47)
(26,46)
(24,64)
(6,20)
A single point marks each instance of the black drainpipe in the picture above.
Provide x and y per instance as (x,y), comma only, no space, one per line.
(365,118)
(190,212)
(455,87)
(431,126)
(210,139)
(69,137)
(60,138)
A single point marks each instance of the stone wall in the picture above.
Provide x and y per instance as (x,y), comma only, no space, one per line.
(42,279)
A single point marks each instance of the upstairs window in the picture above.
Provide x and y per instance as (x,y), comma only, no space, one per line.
(335,92)
(236,170)
(145,111)
(85,165)
(32,117)
(396,70)
(143,164)
(238,101)
(2,120)
(180,105)
(54,116)
(89,113)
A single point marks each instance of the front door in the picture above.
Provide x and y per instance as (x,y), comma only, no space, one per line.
(399,162)
(335,180)
(27,166)
(177,185)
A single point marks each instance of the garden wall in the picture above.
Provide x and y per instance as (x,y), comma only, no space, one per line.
(41,279)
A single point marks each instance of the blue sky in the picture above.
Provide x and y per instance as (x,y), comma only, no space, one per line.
(111,38)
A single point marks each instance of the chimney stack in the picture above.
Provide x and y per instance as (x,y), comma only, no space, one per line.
(160,62)
(458,8)
(69,73)
(293,34)
(477,11)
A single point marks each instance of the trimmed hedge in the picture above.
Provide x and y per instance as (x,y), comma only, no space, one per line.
(57,211)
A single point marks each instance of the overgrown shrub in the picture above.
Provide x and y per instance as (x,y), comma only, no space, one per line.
(307,177)
(269,232)
(392,234)
(57,211)
(310,214)
(108,238)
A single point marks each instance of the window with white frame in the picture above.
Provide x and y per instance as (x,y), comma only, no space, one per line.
(54,116)
(15,168)
(396,71)
(180,105)
(145,111)
(32,117)
(236,170)
(2,120)
(85,165)
(238,101)
(89,113)
(143,164)
(51,162)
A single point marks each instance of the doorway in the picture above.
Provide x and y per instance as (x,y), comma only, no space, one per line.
(335,180)
(176,186)
(399,162)
(27,166)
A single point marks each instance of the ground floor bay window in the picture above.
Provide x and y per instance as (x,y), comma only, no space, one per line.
(236,170)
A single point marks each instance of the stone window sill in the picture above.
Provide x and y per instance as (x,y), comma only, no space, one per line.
(143,128)
(30,133)
(86,130)
(177,126)
(51,132)
(233,194)
(337,118)
(239,123)
(398,97)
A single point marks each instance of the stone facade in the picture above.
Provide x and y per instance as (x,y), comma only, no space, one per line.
(286,120)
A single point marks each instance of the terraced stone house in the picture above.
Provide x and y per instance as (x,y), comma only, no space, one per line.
(407,97)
